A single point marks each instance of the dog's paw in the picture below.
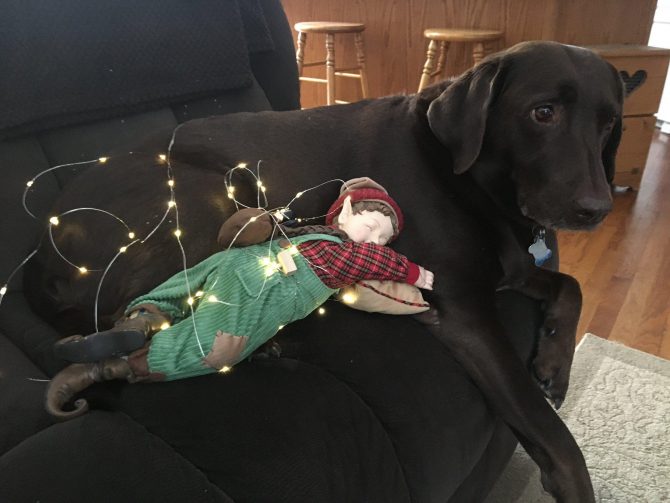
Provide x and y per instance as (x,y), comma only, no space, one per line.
(551,366)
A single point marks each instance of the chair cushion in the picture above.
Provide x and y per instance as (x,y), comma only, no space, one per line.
(102,456)
(270,431)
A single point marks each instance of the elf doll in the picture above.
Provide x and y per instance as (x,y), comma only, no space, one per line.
(245,295)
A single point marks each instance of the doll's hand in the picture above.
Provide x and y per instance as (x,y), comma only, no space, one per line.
(425,280)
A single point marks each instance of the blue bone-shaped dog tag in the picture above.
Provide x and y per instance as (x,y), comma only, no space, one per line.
(539,249)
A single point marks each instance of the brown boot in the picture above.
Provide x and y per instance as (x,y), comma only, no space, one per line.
(129,334)
(77,377)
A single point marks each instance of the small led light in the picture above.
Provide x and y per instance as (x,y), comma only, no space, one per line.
(3,290)
(349,297)
(123,249)
(171,204)
(225,369)
(165,325)
(298,194)
(54,221)
(171,183)
(270,270)
(263,188)
(259,183)
(242,165)
(131,235)
(253,219)
(83,270)
(190,301)
(212,298)
(29,183)
(230,195)
(177,233)
(231,189)
(321,311)
(162,157)
(281,326)
(103,160)
(199,293)
(266,261)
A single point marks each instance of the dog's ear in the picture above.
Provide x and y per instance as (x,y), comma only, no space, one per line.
(458,116)
(610,149)
(609,152)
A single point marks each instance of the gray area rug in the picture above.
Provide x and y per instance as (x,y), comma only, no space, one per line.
(618,409)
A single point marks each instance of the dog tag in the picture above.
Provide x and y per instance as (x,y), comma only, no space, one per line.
(539,249)
(285,259)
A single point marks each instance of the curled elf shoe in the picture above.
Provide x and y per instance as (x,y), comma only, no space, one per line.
(129,333)
(77,377)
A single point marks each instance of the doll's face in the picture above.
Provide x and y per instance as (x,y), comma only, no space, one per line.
(367,227)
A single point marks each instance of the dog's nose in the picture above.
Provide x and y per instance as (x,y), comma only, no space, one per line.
(593,210)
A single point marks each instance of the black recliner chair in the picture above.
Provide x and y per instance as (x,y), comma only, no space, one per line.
(344,415)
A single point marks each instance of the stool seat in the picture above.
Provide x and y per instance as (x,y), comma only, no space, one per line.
(439,41)
(331,29)
(328,27)
(462,34)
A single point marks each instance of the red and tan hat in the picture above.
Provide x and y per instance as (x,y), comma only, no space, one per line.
(366,189)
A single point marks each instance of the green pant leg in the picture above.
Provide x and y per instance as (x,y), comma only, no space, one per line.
(204,343)
(172,295)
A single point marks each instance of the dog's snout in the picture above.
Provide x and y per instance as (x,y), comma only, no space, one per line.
(593,210)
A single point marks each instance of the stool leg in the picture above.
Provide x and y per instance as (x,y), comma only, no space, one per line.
(330,68)
(478,52)
(442,58)
(300,53)
(360,55)
(428,65)
(489,48)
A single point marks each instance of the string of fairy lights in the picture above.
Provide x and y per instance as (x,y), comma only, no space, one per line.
(268,263)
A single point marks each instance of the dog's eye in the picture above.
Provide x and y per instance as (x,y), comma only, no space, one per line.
(543,114)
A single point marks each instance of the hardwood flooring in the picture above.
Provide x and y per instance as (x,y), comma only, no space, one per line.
(624,265)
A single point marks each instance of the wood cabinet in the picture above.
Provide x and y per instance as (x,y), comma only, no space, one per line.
(643,70)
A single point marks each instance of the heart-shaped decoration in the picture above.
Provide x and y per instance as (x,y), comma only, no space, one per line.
(634,81)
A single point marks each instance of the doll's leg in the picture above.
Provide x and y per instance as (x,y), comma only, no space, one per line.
(144,316)
(190,349)
(129,333)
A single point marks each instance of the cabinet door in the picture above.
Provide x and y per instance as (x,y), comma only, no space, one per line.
(632,154)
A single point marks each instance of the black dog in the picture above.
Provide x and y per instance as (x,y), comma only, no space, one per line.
(526,140)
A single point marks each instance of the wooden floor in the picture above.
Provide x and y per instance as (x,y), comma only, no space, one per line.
(624,266)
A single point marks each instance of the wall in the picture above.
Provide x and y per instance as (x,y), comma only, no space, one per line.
(395,45)
(660,37)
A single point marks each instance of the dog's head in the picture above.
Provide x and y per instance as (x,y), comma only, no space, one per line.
(542,119)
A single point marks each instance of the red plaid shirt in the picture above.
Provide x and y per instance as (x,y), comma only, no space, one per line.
(340,264)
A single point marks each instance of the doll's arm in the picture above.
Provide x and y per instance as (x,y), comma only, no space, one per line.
(245,227)
(342,264)
(426,279)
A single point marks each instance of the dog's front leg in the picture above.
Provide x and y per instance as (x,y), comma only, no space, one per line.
(477,341)
(562,302)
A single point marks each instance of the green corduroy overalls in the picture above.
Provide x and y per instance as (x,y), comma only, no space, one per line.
(246,302)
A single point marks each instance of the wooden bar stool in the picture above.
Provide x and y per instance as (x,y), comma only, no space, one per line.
(481,40)
(331,29)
